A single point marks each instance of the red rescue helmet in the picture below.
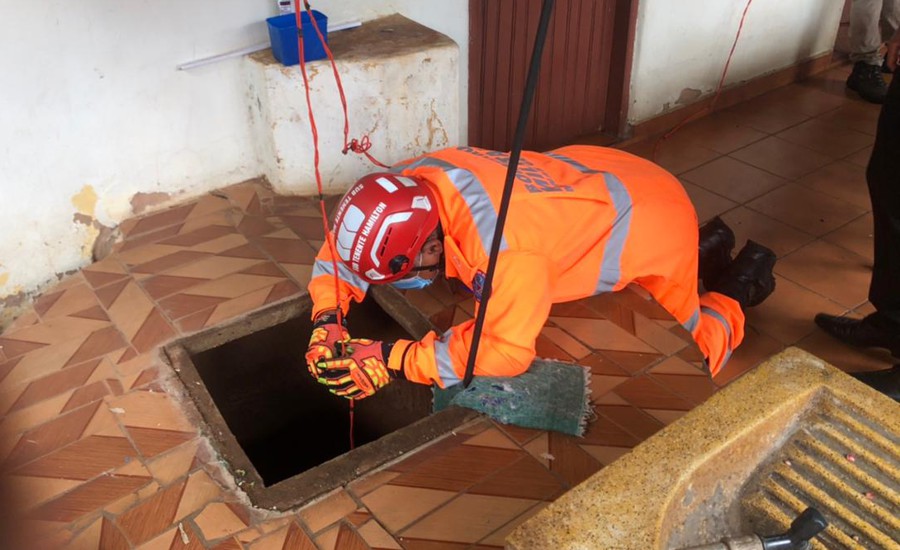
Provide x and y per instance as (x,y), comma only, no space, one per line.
(381,225)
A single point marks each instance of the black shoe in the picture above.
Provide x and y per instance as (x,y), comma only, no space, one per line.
(873,331)
(749,278)
(886,381)
(716,244)
(867,81)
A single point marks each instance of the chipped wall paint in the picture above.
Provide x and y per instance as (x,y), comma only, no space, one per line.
(684,44)
(96,130)
(85,201)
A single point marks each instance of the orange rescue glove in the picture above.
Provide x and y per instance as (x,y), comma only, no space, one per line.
(326,333)
(360,371)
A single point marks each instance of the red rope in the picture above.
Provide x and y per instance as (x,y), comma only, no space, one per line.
(363,145)
(329,236)
(719,88)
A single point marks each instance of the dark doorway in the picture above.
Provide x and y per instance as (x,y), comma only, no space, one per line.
(582,90)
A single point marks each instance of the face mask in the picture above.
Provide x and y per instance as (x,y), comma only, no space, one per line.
(412,283)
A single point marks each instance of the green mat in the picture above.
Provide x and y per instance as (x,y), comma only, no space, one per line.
(549,396)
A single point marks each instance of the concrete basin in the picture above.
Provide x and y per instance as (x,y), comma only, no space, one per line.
(795,432)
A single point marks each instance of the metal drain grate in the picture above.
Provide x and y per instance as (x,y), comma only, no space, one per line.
(842,462)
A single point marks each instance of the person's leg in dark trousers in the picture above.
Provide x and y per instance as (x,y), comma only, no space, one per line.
(883,176)
(882,328)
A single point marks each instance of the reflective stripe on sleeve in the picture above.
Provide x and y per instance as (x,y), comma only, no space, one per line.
(444,364)
(325,267)
(473,193)
(718,317)
(691,324)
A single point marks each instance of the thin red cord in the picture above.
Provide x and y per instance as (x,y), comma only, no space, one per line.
(719,88)
(329,237)
(364,144)
(352,444)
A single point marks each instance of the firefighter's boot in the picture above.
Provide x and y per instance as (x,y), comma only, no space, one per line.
(716,244)
(749,278)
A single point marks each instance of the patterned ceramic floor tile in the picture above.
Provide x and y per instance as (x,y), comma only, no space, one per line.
(631,419)
(82,460)
(78,300)
(169,261)
(87,498)
(467,519)
(497,538)
(492,437)
(55,384)
(219,520)
(606,455)
(569,461)
(104,272)
(153,222)
(51,331)
(458,468)
(646,393)
(350,539)
(50,436)
(600,334)
(397,506)
(153,516)
(30,491)
(525,478)
(199,490)
(376,537)
(322,514)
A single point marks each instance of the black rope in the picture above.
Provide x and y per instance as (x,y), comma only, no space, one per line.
(518,140)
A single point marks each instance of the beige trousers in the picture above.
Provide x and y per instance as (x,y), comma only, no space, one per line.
(872,22)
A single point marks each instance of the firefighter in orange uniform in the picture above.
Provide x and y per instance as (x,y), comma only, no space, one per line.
(582,221)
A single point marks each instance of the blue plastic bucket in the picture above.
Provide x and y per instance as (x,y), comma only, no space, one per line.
(283,35)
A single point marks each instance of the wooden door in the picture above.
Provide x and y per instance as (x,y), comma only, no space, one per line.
(584,71)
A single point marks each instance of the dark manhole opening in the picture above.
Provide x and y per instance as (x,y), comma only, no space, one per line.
(284,436)
(284,420)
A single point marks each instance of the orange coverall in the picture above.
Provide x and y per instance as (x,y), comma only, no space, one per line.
(582,221)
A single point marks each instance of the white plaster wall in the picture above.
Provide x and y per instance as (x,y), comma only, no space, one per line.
(93,112)
(681,45)
(450,17)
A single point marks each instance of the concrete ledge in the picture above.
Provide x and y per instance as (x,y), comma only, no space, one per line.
(401,81)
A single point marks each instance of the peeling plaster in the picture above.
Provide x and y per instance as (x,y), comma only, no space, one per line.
(141,202)
(436,126)
(688,95)
(85,201)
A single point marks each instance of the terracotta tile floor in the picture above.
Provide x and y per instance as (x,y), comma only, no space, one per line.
(96,453)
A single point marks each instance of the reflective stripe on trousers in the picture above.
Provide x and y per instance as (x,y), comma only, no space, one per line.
(611,270)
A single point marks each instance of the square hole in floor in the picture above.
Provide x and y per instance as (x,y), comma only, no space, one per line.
(284,436)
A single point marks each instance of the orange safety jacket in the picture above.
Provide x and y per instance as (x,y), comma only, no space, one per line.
(582,221)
